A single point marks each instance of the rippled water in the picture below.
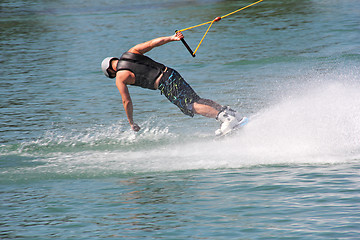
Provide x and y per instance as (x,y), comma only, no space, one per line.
(71,168)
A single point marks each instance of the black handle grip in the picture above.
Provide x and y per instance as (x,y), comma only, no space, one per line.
(187,46)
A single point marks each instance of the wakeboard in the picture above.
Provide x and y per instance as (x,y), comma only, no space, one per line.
(240,125)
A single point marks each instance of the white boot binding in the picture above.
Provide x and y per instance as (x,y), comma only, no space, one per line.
(228,122)
(232,112)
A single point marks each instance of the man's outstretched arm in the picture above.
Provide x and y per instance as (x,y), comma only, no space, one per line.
(127,103)
(142,48)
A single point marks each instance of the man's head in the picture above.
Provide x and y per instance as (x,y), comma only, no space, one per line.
(107,68)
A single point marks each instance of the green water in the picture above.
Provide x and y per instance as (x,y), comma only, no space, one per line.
(70,167)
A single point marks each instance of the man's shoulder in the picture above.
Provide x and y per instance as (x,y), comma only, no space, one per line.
(125,76)
(134,50)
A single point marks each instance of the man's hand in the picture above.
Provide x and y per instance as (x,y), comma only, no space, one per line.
(177,36)
(135,127)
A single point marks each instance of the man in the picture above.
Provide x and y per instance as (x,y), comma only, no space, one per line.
(133,68)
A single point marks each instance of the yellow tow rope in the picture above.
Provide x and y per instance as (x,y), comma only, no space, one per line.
(210,22)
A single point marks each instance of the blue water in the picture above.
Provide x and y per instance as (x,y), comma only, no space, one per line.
(70,167)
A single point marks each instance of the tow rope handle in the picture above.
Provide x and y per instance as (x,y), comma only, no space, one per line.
(187,46)
(210,22)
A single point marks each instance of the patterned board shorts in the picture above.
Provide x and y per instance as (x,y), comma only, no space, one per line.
(178,91)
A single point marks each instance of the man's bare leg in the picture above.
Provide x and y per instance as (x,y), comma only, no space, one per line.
(229,118)
(207,108)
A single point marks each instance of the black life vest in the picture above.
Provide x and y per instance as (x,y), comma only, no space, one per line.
(145,69)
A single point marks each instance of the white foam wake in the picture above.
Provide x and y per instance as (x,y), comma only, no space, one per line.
(318,125)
